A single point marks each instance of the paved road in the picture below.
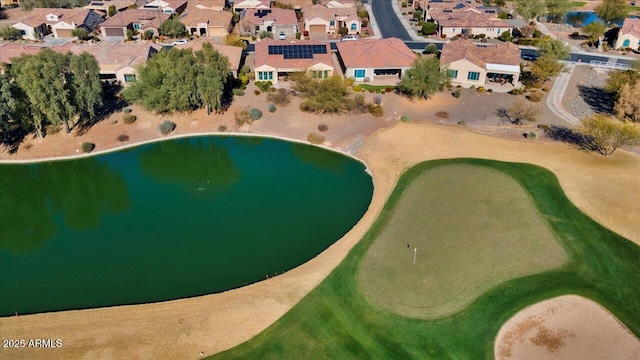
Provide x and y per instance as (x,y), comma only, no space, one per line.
(387,20)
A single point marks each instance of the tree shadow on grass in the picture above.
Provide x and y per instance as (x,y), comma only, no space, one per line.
(597,98)
(574,138)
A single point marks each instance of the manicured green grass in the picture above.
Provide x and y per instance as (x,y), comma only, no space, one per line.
(336,321)
(473,228)
(578,4)
(368,87)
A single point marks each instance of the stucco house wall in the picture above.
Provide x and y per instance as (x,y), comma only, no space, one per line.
(464,67)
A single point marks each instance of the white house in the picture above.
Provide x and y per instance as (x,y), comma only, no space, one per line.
(375,59)
(322,20)
(206,22)
(241,5)
(254,21)
(167,6)
(468,64)
(629,35)
(60,22)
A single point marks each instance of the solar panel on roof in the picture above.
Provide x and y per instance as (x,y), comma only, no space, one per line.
(297,51)
(459,6)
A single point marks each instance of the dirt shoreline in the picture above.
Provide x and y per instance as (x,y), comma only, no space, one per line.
(605,188)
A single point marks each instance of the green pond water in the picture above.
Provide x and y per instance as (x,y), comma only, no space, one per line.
(169,220)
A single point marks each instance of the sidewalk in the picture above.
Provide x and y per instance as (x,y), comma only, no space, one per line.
(554,100)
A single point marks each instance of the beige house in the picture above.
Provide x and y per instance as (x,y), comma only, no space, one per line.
(166,6)
(275,21)
(629,35)
(232,53)
(297,4)
(206,22)
(241,5)
(470,65)
(463,17)
(381,60)
(208,4)
(319,19)
(276,60)
(337,3)
(102,7)
(134,19)
(14,50)
(60,22)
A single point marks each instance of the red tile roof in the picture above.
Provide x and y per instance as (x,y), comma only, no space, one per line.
(376,53)
(262,56)
(631,26)
(501,53)
(278,16)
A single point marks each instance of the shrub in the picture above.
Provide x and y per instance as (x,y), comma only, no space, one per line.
(126,110)
(255,114)
(242,117)
(128,118)
(377,99)
(167,127)
(546,88)
(343,31)
(357,88)
(442,114)
(489,90)
(544,127)
(457,93)
(257,92)
(365,23)
(298,35)
(405,118)
(481,89)
(518,91)
(376,110)
(87,147)
(315,138)
(323,127)
(429,28)
(222,128)
(388,89)
(264,86)
(505,36)
(532,135)
(535,96)
(430,49)
(462,123)
(123,138)
(238,92)
(245,70)
(280,97)
(271,108)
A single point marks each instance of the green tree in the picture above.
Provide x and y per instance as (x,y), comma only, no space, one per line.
(554,48)
(423,79)
(85,87)
(429,28)
(608,133)
(530,9)
(594,30)
(172,27)
(557,9)
(111,10)
(30,4)
(546,67)
(627,106)
(611,10)
(213,78)
(8,106)
(322,96)
(518,113)
(617,79)
(10,33)
(500,3)
(80,33)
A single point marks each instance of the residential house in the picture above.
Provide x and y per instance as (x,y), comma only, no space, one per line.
(629,35)
(464,17)
(206,22)
(9,3)
(276,60)
(319,19)
(337,3)
(232,53)
(468,64)
(275,21)
(60,22)
(167,6)
(102,7)
(140,20)
(241,5)
(14,50)
(296,4)
(117,62)
(382,60)
(209,4)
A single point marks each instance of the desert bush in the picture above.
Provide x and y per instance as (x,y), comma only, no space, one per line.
(489,90)
(257,92)
(405,118)
(126,110)
(481,89)
(535,96)
(238,92)
(518,91)
(242,117)
(388,89)
(376,110)
(462,123)
(457,93)
(377,99)
(87,147)
(546,88)
(357,88)
(431,48)
(359,105)
(315,138)
(167,127)
(123,138)
(255,114)
(222,128)
(52,129)
(442,114)
(531,135)
(280,97)
(128,118)
(544,127)
(271,108)
(323,127)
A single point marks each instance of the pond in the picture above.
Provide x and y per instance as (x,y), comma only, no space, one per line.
(169,220)
(583,18)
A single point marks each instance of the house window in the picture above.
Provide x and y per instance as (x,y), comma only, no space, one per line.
(265,75)
(168,11)
(626,43)
(354,27)
(326,74)
(319,74)
(498,31)
(452,74)
(473,75)
(359,74)
(129,78)
(137,26)
(332,23)
(23,32)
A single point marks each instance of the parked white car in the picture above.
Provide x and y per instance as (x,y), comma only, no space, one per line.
(349,38)
(282,36)
(180,42)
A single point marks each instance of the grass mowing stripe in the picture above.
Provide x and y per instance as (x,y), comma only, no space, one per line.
(335,321)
